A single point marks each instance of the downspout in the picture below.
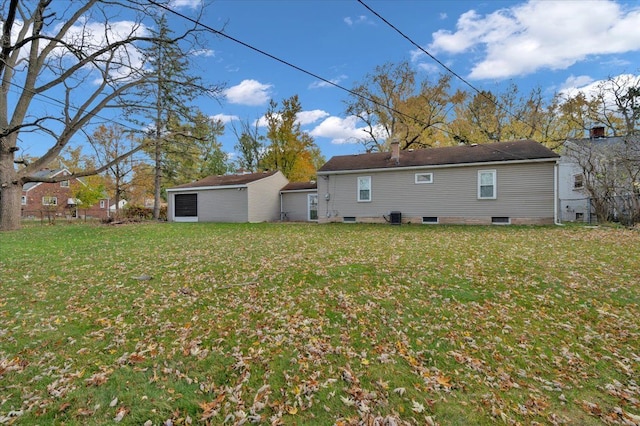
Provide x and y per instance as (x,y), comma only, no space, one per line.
(555,195)
(281,219)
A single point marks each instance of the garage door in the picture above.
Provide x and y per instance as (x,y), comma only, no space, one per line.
(186,206)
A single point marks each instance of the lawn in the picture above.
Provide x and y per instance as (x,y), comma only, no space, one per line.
(335,324)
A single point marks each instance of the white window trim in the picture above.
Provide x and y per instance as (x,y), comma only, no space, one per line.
(54,199)
(423,181)
(64,184)
(494,184)
(309,197)
(23,200)
(360,200)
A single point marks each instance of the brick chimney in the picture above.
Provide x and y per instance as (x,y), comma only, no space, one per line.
(395,151)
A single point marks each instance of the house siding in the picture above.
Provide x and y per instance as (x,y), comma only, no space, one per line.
(525,194)
(264,198)
(296,205)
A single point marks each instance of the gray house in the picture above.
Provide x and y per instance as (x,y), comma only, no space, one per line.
(299,202)
(500,183)
(253,197)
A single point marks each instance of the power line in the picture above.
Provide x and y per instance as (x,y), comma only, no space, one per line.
(289,64)
(449,70)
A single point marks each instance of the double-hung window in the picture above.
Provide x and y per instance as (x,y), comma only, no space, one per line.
(49,201)
(487,185)
(364,188)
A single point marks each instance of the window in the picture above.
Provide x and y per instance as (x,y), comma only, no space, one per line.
(579,217)
(486,184)
(102,204)
(23,200)
(424,177)
(500,220)
(349,219)
(364,188)
(64,184)
(429,219)
(578,181)
(49,201)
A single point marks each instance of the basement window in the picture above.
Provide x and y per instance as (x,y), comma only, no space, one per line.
(349,219)
(429,219)
(500,220)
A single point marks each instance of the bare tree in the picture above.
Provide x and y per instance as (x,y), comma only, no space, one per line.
(76,59)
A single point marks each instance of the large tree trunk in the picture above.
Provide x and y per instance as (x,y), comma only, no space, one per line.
(10,195)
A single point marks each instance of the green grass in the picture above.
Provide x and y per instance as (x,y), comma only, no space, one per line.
(332,324)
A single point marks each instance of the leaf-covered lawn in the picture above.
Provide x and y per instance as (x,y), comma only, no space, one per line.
(332,324)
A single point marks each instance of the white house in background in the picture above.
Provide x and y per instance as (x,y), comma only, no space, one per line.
(253,197)
(121,204)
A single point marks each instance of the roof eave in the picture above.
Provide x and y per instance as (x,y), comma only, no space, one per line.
(439,166)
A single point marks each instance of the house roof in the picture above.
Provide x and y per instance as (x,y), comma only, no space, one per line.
(44,173)
(300,186)
(481,153)
(227,180)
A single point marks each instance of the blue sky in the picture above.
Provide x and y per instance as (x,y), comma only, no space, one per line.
(556,45)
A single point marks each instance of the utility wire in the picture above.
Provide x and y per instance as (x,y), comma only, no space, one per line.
(449,70)
(289,64)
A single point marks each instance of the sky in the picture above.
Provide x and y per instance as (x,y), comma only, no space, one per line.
(554,45)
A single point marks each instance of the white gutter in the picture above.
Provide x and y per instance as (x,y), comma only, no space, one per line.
(437,166)
(200,188)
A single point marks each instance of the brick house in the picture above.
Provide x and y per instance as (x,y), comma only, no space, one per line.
(42,200)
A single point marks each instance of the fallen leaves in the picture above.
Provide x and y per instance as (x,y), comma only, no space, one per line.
(327,325)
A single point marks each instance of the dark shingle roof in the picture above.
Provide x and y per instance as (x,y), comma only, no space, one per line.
(300,186)
(481,153)
(227,180)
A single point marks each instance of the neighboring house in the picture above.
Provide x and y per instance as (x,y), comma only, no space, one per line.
(50,200)
(252,197)
(499,183)
(605,166)
(299,202)
(120,206)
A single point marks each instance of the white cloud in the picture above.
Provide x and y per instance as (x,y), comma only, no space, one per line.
(308,117)
(224,117)
(590,88)
(249,92)
(573,82)
(179,4)
(303,118)
(361,19)
(541,34)
(322,84)
(340,130)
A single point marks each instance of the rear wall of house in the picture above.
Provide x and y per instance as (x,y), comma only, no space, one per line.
(217,205)
(296,206)
(264,198)
(525,194)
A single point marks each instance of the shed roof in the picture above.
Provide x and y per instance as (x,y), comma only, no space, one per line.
(227,180)
(480,153)
(300,186)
